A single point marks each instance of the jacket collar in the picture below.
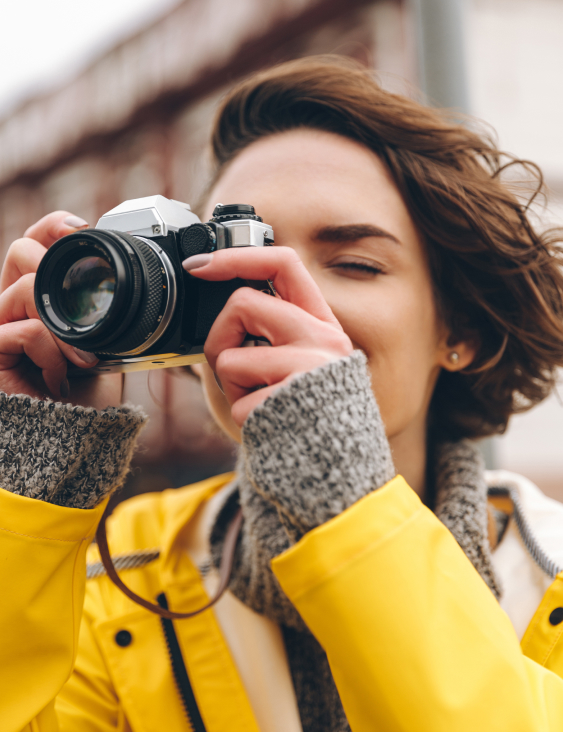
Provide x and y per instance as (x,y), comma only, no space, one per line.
(543,514)
(182,508)
(461,504)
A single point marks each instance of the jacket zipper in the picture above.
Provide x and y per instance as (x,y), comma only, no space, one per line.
(527,535)
(180,671)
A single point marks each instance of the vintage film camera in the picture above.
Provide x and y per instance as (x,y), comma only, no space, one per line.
(119,290)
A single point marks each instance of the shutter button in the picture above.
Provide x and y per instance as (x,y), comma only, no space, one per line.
(556,616)
(124,638)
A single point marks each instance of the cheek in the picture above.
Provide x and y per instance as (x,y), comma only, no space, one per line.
(396,327)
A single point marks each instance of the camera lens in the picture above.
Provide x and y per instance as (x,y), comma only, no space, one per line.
(106,291)
(87,290)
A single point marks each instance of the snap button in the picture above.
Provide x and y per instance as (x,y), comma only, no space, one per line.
(556,616)
(124,638)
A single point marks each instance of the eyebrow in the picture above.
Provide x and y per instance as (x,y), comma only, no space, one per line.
(352,232)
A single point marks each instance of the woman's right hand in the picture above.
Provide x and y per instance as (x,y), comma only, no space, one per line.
(32,360)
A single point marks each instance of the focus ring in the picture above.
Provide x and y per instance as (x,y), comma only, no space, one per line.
(151,306)
(123,310)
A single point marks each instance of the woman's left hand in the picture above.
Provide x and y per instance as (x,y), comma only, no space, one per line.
(299,324)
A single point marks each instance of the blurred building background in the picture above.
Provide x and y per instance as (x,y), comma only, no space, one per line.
(515,57)
(135,122)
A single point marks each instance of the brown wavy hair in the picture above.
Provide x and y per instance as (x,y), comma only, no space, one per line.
(497,280)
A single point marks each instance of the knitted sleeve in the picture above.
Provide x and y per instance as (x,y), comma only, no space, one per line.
(58,453)
(318,444)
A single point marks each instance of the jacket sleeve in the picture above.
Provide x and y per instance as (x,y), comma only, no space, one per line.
(88,702)
(42,576)
(58,465)
(415,639)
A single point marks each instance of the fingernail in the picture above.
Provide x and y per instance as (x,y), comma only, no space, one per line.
(65,389)
(217,379)
(198,260)
(86,356)
(75,222)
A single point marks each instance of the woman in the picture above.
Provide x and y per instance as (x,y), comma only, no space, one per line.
(417,307)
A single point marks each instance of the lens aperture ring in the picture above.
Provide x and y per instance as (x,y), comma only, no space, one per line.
(64,288)
(151,308)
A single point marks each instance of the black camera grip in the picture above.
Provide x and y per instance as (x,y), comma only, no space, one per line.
(212,298)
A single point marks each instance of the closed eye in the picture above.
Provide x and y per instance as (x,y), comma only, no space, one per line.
(358,269)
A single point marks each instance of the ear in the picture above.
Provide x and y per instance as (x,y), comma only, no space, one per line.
(454,355)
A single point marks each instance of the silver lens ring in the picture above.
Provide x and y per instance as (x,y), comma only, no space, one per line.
(172,297)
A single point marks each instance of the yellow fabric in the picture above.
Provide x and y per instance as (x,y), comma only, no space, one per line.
(137,688)
(543,641)
(415,639)
(42,576)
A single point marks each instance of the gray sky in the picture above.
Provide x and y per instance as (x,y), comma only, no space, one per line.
(46,41)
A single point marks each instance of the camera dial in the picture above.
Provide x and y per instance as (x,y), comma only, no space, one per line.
(234,211)
(197,239)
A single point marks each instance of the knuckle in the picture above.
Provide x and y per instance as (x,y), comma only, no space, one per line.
(15,248)
(243,297)
(39,332)
(289,255)
(35,329)
(24,330)
(48,223)
(284,251)
(22,290)
(27,281)
(224,361)
(51,225)
(338,341)
(19,253)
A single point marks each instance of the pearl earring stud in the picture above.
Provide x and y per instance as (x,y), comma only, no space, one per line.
(454,358)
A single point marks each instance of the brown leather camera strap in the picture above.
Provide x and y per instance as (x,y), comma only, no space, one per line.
(225,569)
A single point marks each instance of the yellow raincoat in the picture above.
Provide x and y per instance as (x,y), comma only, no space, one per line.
(415,639)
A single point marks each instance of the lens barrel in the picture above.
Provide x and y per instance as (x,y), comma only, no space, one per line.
(106,292)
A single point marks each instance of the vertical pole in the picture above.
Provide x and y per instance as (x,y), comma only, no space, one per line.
(440,27)
(440,32)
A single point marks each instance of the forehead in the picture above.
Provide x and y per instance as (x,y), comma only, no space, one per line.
(310,171)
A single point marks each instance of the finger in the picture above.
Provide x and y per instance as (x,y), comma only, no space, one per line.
(24,254)
(23,258)
(32,339)
(17,303)
(52,226)
(281,265)
(280,322)
(242,408)
(243,370)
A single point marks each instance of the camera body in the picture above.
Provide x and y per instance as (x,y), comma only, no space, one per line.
(119,290)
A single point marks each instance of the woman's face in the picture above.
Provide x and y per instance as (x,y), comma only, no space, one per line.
(333,201)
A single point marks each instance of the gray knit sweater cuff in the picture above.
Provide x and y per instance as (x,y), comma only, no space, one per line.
(318,444)
(58,453)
